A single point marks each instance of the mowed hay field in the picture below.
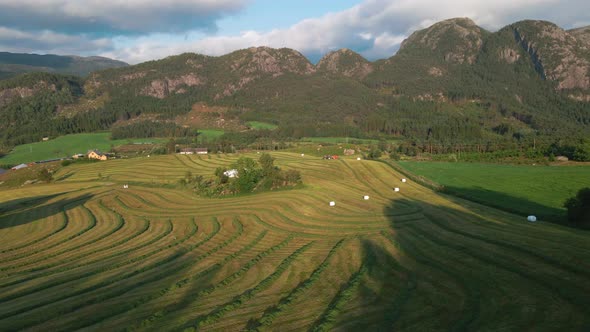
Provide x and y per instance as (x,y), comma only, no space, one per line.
(537,190)
(85,254)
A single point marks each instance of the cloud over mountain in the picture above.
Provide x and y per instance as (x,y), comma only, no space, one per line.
(143,30)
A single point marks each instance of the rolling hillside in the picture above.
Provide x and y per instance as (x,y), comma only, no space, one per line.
(13,64)
(84,253)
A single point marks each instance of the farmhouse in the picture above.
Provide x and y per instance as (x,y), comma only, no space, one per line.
(78,155)
(348,152)
(193,151)
(231,173)
(21,166)
(95,154)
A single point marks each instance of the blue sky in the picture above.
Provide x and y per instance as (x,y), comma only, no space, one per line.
(142,30)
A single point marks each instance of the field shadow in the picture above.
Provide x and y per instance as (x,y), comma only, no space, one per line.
(505,202)
(393,286)
(65,176)
(445,233)
(26,210)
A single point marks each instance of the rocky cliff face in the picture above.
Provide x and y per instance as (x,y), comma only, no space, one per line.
(266,60)
(164,87)
(558,55)
(455,40)
(10,94)
(582,35)
(345,62)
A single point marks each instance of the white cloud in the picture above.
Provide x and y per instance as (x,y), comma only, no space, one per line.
(374,28)
(146,30)
(50,42)
(107,17)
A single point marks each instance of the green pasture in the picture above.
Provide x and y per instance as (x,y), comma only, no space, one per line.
(66,146)
(209,134)
(337,140)
(261,125)
(538,190)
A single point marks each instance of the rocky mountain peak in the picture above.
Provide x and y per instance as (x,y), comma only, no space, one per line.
(582,35)
(558,55)
(345,62)
(268,60)
(457,40)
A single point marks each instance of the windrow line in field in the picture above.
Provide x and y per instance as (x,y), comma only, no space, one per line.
(61,227)
(104,314)
(120,224)
(147,322)
(373,178)
(69,238)
(104,283)
(360,179)
(86,263)
(471,306)
(326,320)
(558,286)
(237,301)
(284,213)
(510,246)
(185,164)
(287,211)
(272,312)
(395,307)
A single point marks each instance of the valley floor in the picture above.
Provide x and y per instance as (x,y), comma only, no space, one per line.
(85,253)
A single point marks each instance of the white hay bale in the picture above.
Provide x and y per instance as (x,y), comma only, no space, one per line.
(358,158)
(531,218)
(332,203)
(366,198)
(396,189)
(404,180)
(303,154)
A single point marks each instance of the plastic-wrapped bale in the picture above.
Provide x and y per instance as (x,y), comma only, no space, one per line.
(396,189)
(332,203)
(358,158)
(404,180)
(366,198)
(531,218)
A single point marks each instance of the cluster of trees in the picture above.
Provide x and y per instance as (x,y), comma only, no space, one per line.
(578,208)
(488,151)
(152,129)
(251,176)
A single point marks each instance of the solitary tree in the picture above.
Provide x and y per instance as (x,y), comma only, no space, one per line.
(578,208)
(44,175)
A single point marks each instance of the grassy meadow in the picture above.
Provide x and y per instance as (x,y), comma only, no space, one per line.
(66,146)
(85,253)
(538,190)
(209,134)
(261,125)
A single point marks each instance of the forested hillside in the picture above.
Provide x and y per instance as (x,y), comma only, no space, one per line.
(13,64)
(451,86)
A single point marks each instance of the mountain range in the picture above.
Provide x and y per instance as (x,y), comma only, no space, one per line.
(14,64)
(451,82)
